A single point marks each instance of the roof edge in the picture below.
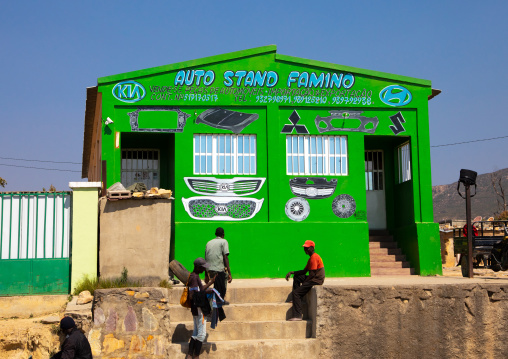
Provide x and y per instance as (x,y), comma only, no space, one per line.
(189,63)
(372,73)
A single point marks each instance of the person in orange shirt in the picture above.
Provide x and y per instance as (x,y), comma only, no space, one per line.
(302,282)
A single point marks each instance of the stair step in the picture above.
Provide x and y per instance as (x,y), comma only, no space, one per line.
(229,330)
(381,238)
(254,312)
(386,251)
(392,271)
(252,349)
(382,245)
(379,232)
(389,265)
(239,295)
(386,257)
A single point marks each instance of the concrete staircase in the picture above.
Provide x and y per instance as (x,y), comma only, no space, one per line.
(385,257)
(255,327)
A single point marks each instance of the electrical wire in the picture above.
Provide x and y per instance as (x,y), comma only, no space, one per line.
(460,143)
(22,159)
(39,168)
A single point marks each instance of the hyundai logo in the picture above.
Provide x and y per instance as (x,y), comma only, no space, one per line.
(395,95)
(129,91)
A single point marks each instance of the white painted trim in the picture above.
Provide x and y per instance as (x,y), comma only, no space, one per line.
(85,184)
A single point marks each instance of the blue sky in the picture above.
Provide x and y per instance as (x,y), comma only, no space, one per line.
(52,51)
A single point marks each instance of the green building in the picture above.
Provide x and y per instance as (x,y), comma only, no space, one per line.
(276,150)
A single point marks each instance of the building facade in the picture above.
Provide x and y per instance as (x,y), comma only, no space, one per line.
(276,150)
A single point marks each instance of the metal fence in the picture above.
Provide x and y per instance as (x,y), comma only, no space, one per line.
(35,226)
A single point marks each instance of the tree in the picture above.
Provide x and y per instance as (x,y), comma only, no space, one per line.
(2,182)
(495,180)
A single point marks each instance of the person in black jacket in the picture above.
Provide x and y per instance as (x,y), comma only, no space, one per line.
(200,307)
(76,345)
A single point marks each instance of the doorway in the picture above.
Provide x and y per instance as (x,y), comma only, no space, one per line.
(375,188)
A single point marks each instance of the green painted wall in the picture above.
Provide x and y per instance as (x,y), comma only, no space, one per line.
(84,231)
(269,244)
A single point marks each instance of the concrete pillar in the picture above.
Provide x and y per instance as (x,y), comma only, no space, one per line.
(84,230)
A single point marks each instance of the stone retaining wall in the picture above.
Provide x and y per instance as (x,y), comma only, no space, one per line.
(432,321)
(130,322)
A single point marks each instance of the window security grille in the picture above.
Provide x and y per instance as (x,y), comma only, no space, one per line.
(224,154)
(374,170)
(316,155)
(404,156)
(141,165)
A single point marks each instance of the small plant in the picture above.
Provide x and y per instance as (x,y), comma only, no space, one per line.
(31,315)
(69,298)
(104,283)
(165,284)
(55,329)
(123,277)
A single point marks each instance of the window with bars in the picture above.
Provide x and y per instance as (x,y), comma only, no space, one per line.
(316,155)
(140,165)
(404,156)
(374,179)
(224,154)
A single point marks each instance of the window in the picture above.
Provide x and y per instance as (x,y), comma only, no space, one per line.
(404,156)
(374,170)
(140,165)
(316,155)
(225,154)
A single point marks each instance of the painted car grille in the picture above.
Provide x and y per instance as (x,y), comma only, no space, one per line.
(319,192)
(224,187)
(209,208)
(312,187)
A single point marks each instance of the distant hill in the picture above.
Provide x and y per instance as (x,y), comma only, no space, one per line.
(449,205)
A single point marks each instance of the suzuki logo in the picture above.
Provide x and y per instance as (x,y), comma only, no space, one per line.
(395,95)
(129,91)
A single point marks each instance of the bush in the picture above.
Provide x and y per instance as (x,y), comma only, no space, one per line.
(99,283)
(502,216)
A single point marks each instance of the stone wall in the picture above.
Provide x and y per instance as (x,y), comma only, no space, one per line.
(432,321)
(130,323)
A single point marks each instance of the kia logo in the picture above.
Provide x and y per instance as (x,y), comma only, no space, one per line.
(395,95)
(221,209)
(129,91)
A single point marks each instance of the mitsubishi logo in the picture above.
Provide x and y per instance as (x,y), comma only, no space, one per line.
(300,129)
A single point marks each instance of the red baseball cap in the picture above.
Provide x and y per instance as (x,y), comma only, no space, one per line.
(309,244)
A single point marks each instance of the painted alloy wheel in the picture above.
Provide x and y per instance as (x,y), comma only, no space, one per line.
(344,206)
(297,209)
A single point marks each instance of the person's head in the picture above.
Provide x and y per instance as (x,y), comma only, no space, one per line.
(308,247)
(67,324)
(200,265)
(219,232)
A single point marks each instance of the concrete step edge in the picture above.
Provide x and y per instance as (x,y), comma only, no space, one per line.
(237,322)
(232,305)
(250,341)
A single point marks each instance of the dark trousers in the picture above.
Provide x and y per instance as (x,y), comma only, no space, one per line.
(299,290)
(221,285)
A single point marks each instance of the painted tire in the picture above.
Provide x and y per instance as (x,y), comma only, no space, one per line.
(344,206)
(179,271)
(297,209)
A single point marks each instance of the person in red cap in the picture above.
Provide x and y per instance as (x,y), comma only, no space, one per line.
(302,282)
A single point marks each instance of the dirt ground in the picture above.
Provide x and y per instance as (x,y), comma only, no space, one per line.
(20,338)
